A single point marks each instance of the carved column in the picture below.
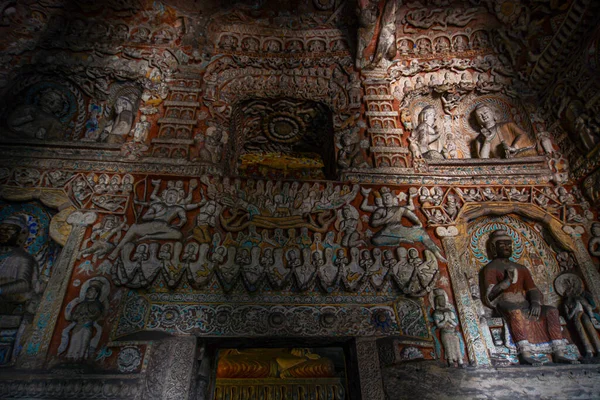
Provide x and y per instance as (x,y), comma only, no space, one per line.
(35,350)
(171,369)
(369,370)
(586,265)
(469,320)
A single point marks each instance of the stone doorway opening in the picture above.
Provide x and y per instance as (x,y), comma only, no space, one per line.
(256,368)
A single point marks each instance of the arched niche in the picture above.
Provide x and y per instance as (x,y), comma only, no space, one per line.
(456,244)
(281,138)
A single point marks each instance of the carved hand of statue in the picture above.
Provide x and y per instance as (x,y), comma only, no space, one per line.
(488,134)
(505,283)
(365,192)
(534,310)
(511,274)
(156,182)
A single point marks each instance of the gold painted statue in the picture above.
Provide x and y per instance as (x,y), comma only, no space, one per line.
(273,363)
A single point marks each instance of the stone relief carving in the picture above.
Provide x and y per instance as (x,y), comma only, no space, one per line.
(579,308)
(497,140)
(80,338)
(439,19)
(122,114)
(103,238)
(425,139)
(386,42)
(26,263)
(594,243)
(389,214)
(339,250)
(446,321)
(224,242)
(368,14)
(44,109)
(508,287)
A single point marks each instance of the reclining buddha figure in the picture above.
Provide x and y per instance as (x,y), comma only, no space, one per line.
(273,363)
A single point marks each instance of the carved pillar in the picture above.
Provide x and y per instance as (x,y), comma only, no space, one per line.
(586,265)
(171,369)
(469,320)
(369,370)
(35,350)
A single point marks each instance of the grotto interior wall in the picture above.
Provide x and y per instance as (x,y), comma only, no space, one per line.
(360,199)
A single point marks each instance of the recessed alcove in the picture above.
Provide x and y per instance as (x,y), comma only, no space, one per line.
(282,139)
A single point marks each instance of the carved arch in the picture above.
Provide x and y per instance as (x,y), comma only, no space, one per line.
(554,225)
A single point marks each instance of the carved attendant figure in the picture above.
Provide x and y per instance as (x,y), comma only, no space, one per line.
(389,215)
(500,140)
(349,155)
(580,311)
(84,313)
(508,288)
(446,321)
(423,139)
(18,268)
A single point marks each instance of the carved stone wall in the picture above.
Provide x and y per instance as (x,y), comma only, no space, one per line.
(310,172)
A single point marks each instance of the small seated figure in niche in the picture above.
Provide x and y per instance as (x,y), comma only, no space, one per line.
(124,114)
(404,47)
(213,145)
(500,140)
(42,120)
(424,140)
(350,155)
(508,288)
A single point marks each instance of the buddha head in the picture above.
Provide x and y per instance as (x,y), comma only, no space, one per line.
(499,244)
(486,117)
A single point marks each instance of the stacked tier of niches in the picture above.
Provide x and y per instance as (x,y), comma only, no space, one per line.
(176,127)
(386,137)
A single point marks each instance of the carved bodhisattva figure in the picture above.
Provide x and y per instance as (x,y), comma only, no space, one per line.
(41,120)
(500,140)
(508,288)
(424,140)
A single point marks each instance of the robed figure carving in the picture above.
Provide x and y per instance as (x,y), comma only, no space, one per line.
(18,269)
(20,286)
(500,140)
(508,288)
